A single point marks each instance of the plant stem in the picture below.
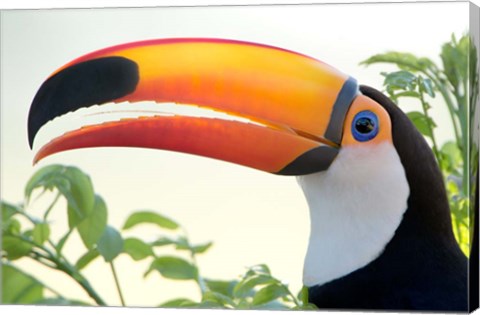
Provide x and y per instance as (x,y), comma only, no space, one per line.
(461,136)
(293,297)
(80,279)
(62,242)
(430,128)
(199,279)
(74,275)
(42,259)
(450,106)
(66,267)
(117,284)
(201,282)
(54,202)
(305,295)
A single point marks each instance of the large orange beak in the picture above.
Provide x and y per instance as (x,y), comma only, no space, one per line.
(296,105)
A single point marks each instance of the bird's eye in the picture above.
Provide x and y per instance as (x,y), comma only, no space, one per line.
(365,126)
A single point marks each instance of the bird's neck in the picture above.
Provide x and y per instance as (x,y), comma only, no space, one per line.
(355,208)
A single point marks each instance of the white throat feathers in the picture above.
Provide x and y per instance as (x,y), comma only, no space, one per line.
(355,208)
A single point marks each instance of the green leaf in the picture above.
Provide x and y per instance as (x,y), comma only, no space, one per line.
(275,305)
(473,73)
(403,80)
(164,241)
(426,86)
(58,301)
(151,217)
(62,241)
(453,191)
(408,94)
(269,293)
(245,287)
(81,197)
(221,286)
(93,226)
(421,122)
(406,61)
(218,298)
(308,307)
(243,304)
(72,183)
(180,302)
(43,178)
(173,268)
(14,247)
(11,226)
(258,269)
(209,304)
(86,259)
(303,295)
(8,223)
(110,244)
(451,156)
(454,57)
(8,210)
(137,249)
(41,232)
(19,287)
(182,243)
(27,234)
(202,248)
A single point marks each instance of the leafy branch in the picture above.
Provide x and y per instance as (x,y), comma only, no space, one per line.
(456,81)
(27,237)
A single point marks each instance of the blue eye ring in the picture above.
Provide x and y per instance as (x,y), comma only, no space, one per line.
(365,126)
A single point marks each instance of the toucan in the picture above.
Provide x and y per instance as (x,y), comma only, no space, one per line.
(381,233)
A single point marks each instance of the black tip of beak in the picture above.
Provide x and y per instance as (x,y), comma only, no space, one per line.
(84,84)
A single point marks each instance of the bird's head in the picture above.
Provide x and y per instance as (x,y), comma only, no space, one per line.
(286,113)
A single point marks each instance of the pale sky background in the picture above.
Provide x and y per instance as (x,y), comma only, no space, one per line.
(252,217)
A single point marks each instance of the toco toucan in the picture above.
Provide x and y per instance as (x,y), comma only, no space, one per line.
(380,234)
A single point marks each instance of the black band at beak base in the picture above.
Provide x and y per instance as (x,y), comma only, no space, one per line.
(313,161)
(340,108)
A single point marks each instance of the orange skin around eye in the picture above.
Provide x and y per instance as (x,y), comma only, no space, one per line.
(362,103)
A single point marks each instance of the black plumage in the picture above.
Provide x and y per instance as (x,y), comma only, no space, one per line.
(422,267)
